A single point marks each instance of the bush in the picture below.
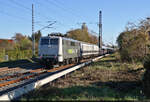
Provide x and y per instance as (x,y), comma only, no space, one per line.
(18,54)
(132,47)
(2,54)
(146,77)
(133,43)
(15,54)
(146,62)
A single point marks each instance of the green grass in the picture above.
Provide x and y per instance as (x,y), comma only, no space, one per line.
(107,79)
(83,93)
(15,55)
(112,63)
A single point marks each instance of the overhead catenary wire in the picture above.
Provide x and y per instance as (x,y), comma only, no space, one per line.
(19,4)
(10,14)
(60,4)
(54,3)
(39,13)
(69,9)
(46,7)
(29,9)
(48,26)
(14,16)
(62,8)
(9,5)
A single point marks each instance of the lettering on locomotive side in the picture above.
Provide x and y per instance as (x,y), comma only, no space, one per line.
(71,51)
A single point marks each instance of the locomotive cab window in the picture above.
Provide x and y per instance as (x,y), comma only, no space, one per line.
(44,41)
(53,41)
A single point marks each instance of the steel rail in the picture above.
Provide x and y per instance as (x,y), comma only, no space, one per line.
(41,81)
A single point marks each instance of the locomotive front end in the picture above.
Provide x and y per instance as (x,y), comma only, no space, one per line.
(49,50)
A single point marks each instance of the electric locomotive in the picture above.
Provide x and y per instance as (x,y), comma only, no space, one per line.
(58,50)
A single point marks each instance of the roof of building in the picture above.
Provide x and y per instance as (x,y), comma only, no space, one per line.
(9,40)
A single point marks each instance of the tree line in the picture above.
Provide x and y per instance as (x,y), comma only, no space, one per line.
(19,48)
(22,44)
(134,45)
(82,34)
(134,41)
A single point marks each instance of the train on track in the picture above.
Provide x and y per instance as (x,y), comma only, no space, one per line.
(58,50)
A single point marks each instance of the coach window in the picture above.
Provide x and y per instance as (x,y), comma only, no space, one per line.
(72,43)
(67,43)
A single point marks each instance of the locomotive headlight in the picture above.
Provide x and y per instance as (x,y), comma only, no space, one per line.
(49,46)
(55,56)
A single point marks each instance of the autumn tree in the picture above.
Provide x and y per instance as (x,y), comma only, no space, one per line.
(133,42)
(22,42)
(82,35)
(37,36)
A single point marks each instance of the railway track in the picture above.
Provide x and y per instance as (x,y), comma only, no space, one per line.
(17,68)
(11,75)
(7,80)
(10,81)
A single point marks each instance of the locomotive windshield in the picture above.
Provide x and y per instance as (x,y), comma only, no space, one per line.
(53,41)
(47,41)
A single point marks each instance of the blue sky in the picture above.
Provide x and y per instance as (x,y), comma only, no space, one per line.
(15,15)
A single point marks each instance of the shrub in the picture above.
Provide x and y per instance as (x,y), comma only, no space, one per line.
(146,77)
(133,43)
(146,62)
(2,54)
(15,54)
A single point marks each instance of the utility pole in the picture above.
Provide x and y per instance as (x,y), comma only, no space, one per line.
(33,35)
(100,30)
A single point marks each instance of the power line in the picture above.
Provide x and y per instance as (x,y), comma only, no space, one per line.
(11,15)
(14,16)
(61,7)
(37,2)
(47,5)
(69,9)
(58,22)
(10,5)
(27,8)
(21,5)
(48,26)
(39,24)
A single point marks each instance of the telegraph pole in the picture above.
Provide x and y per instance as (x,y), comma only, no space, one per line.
(100,30)
(33,35)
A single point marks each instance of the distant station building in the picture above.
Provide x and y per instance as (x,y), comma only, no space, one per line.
(8,40)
